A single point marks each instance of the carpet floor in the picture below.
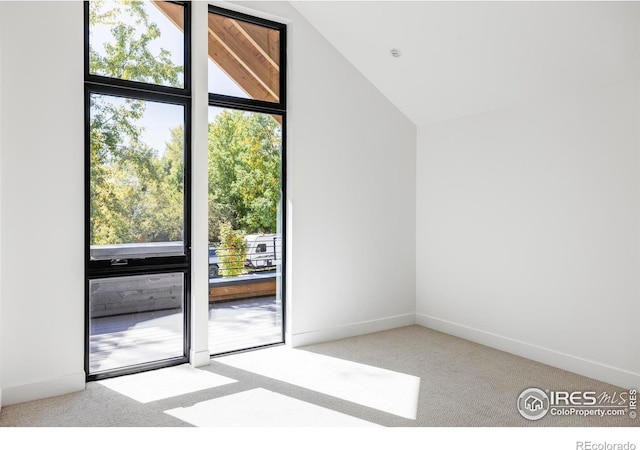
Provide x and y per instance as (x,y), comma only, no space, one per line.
(406,377)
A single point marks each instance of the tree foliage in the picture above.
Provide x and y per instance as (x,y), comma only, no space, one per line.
(137,192)
(130,199)
(126,54)
(244,172)
(232,252)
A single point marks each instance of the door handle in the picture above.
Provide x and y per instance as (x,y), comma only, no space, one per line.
(119,262)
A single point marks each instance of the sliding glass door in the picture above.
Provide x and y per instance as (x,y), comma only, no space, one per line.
(246,181)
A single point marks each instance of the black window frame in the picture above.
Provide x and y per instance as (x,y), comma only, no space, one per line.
(265,107)
(97,269)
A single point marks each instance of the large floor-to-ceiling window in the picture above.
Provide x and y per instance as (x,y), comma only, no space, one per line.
(247,115)
(137,108)
(138,184)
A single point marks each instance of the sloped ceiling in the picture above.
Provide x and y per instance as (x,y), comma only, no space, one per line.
(464,58)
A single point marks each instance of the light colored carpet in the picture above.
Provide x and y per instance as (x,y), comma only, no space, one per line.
(461,384)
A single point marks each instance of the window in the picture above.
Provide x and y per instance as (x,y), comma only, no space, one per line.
(137,146)
(247,164)
(244,57)
(138,186)
(138,41)
(137,181)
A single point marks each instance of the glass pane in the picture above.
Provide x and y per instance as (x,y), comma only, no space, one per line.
(135,320)
(244,59)
(137,178)
(137,41)
(245,230)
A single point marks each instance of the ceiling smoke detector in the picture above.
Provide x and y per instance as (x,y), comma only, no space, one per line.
(395,52)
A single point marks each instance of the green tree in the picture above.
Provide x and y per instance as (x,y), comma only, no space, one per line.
(122,168)
(127,54)
(244,172)
(258,177)
(232,251)
(137,193)
(135,196)
(165,197)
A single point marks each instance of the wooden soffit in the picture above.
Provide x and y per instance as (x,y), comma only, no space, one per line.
(249,54)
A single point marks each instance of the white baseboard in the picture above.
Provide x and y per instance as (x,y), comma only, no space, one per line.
(43,389)
(350,330)
(592,369)
(200,359)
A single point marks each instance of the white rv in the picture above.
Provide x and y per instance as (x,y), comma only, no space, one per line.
(263,250)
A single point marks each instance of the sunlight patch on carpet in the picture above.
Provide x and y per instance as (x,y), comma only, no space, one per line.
(263,408)
(165,383)
(385,390)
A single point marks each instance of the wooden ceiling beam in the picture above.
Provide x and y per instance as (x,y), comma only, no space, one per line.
(246,52)
(228,63)
(173,12)
(265,40)
(234,70)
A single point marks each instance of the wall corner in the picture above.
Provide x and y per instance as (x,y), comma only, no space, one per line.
(2,15)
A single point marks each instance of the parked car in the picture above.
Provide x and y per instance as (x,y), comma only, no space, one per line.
(214,263)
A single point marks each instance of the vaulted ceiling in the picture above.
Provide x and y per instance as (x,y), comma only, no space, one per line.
(465,58)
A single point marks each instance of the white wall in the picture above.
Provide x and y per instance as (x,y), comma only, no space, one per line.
(42,197)
(199,353)
(528,231)
(351,194)
(1,45)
